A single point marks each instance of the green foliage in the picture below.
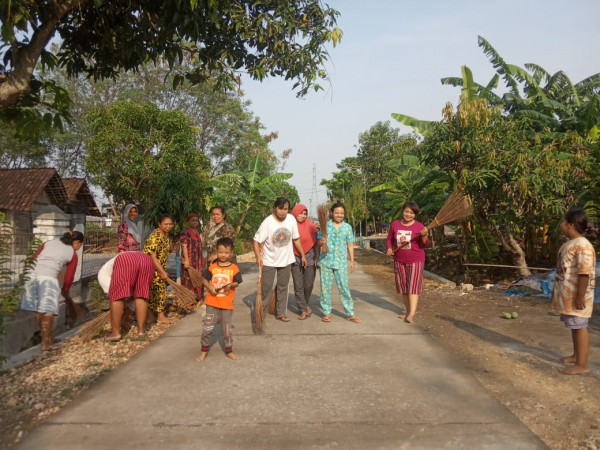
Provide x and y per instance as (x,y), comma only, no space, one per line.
(101,39)
(134,145)
(98,300)
(250,191)
(178,194)
(11,293)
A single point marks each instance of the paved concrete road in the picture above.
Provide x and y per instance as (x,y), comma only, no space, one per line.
(305,384)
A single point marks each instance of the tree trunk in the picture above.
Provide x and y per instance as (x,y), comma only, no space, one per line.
(24,59)
(506,240)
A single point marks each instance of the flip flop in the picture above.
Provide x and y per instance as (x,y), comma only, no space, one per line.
(326,318)
(283,318)
(353,319)
(111,339)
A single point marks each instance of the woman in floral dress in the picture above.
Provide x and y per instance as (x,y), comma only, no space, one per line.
(191,253)
(158,246)
(216,229)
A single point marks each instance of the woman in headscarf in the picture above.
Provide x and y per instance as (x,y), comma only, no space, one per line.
(191,253)
(158,246)
(130,230)
(42,290)
(304,277)
(216,229)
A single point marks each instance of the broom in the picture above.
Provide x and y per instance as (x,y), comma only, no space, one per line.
(273,302)
(457,206)
(90,329)
(259,320)
(196,277)
(184,295)
(323,214)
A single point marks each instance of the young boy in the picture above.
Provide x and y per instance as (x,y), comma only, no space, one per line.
(220,279)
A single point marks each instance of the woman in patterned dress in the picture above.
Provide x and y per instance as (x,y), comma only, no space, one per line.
(215,230)
(333,264)
(158,246)
(191,253)
(130,230)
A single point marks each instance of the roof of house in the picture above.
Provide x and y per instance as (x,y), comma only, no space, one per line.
(21,187)
(78,190)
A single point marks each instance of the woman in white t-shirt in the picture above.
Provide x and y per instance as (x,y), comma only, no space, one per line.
(275,255)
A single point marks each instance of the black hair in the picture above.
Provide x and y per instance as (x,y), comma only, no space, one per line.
(413,207)
(280,202)
(217,207)
(337,205)
(163,217)
(225,242)
(579,219)
(71,236)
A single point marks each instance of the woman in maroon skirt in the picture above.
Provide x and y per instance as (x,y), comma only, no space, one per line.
(191,253)
(128,275)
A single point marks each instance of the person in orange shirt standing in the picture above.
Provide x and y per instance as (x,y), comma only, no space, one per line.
(220,279)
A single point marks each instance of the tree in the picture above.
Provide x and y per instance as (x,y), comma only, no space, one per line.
(252,188)
(100,39)
(133,145)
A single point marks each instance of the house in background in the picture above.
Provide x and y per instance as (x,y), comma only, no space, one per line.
(38,202)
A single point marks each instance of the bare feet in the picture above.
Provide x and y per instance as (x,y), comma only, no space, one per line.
(574,370)
(232,356)
(402,316)
(409,319)
(568,359)
(202,356)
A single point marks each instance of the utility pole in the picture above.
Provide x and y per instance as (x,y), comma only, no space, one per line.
(314,195)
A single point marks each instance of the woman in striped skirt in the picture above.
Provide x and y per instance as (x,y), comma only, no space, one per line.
(405,242)
(127,276)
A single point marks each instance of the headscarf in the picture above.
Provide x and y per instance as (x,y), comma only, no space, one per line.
(134,227)
(191,216)
(307,230)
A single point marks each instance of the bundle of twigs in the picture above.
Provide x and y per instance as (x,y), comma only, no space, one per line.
(91,329)
(184,295)
(259,320)
(195,276)
(323,214)
(457,206)
(273,302)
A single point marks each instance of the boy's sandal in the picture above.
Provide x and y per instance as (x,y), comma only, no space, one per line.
(326,318)
(353,319)
(283,318)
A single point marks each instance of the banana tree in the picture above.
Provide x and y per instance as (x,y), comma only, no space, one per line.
(244,190)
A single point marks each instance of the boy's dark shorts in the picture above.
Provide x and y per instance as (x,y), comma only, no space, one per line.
(574,322)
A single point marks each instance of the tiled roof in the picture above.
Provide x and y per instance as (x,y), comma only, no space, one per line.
(20,187)
(77,189)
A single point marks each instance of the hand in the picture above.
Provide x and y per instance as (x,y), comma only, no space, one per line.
(258,260)
(389,252)
(304,262)
(579,303)
(186,264)
(163,275)
(351,266)
(212,290)
(227,288)
(424,232)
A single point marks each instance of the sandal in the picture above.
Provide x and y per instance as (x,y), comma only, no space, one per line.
(353,319)
(53,348)
(111,339)
(304,316)
(326,318)
(283,318)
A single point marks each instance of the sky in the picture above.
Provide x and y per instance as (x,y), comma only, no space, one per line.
(391,59)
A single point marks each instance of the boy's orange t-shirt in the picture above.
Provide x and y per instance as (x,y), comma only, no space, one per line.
(219,277)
